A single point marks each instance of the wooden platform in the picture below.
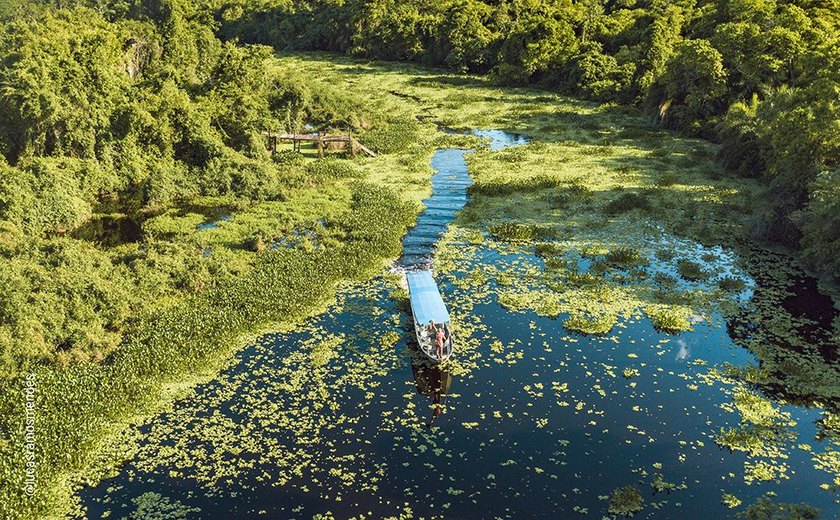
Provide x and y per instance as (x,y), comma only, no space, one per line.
(321,140)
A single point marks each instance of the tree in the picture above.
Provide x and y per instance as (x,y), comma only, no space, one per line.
(694,83)
(535,44)
(820,221)
(663,34)
(464,36)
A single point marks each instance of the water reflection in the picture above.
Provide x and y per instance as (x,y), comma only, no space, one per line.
(432,381)
(684,351)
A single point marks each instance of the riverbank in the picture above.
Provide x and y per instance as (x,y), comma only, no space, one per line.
(79,404)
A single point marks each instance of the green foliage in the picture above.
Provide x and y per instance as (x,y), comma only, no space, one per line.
(731,284)
(61,83)
(590,324)
(538,43)
(691,270)
(694,83)
(547,249)
(671,319)
(766,509)
(741,147)
(43,196)
(171,224)
(821,224)
(80,300)
(625,257)
(512,232)
(394,136)
(331,169)
(599,76)
(627,202)
(626,501)
(159,347)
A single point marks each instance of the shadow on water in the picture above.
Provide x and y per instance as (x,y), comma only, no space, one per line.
(789,326)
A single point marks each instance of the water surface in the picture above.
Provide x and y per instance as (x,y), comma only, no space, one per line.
(342,416)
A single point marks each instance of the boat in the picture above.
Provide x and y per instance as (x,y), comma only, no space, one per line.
(429,315)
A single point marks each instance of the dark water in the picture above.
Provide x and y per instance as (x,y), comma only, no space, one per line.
(530,421)
(110,230)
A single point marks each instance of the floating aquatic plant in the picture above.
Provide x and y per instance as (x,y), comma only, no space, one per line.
(626,501)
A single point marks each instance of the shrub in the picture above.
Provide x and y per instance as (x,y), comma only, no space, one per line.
(288,158)
(61,293)
(256,241)
(42,197)
(238,175)
(627,202)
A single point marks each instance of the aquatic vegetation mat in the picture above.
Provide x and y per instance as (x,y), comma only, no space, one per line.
(342,417)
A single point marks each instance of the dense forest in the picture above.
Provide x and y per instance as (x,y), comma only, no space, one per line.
(759,76)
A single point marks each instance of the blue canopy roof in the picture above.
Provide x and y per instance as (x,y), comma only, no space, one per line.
(426,302)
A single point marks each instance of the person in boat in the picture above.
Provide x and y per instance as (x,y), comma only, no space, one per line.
(430,329)
(440,340)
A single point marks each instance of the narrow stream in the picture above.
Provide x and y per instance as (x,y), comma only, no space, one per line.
(449,195)
(339,417)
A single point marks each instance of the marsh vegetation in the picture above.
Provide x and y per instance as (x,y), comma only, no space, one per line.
(617,334)
(629,342)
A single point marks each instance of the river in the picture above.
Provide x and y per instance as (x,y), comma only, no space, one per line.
(341,418)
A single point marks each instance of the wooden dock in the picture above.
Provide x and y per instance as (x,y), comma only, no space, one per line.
(323,141)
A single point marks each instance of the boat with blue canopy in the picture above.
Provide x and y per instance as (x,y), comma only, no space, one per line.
(431,319)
